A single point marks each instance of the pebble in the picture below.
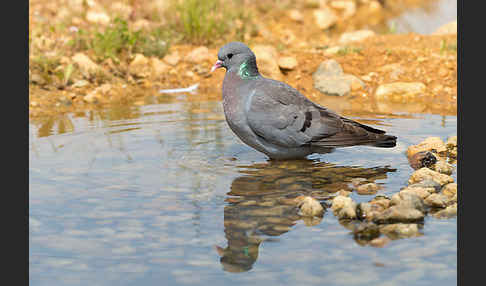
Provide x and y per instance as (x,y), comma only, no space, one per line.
(366,231)
(422,159)
(310,206)
(330,79)
(85,64)
(436,201)
(159,68)
(296,16)
(344,207)
(267,63)
(400,230)
(449,28)
(399,92)
(429,144)
(367,189)
(287,63)
(139,66)
(198,55)
(450,190)
(407,200)
(172,58)
(325,18)
(426,173)
(399,213)
(356,36)
(97,17)
(443,167)
(448,212)
(348,7)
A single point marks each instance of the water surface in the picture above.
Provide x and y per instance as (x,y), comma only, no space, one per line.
(165,194)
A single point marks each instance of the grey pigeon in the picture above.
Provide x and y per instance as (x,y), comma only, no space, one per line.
(276,119)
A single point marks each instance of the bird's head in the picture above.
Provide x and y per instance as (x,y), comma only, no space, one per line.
(234,55)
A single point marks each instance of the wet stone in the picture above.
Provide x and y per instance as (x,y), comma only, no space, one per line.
(400,230)
(399,92)
(367,189)
(310,206)
(429,144)
(399,213)
(358,181)
(448,212)
(450,190)
(422,159)
(430,185)
(407,200)
(427,174)
(368,211)
(418,191)
(443,167)
(344,207)
(436,201)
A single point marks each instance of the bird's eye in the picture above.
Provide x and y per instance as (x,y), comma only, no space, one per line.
(230,56)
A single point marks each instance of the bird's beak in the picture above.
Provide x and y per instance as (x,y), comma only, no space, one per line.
(217,65)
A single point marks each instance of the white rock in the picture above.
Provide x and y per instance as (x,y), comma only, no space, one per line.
(325,18)
(355,36)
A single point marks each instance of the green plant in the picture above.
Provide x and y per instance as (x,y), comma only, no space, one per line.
(210,21)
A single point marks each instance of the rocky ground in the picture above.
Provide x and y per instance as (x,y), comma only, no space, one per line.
(325,49)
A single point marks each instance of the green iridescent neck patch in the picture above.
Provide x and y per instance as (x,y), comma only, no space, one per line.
(245,73)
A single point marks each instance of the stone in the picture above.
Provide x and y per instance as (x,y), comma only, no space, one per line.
(436,201)
(400,230)
(159,68)
(399,92)
(310,206)
(325,18)
(368,211)
(96,17)
(426,173)
(358,181)
(139,66)
(422,159)
(450,190)
(85,64)
(399,213)
(330,79)
(356,36)
(348,8)
(434,144)
(172,58)
(367,189)
(296,16)
(449,28)
(430,185)
(418,191)
(344,207)
(443,167)
(287,63)
(267,61)
(122,10)
(407,200)
(332,50)
(448,212)
(451,142)
(35,78)
(199,55)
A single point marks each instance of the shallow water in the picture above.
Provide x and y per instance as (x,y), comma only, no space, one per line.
(166,194)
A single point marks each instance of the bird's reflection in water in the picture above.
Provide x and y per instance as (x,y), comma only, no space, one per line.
(260,203)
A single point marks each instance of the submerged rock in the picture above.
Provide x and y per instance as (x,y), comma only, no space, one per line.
(367,189)
(366,231)
(427,174)
(344,207)
(400,230)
